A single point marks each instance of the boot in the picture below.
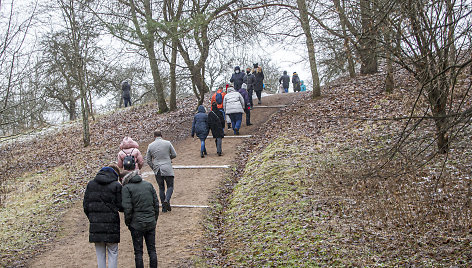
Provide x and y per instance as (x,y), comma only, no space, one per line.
(205,152)
(229,125)
(201,154)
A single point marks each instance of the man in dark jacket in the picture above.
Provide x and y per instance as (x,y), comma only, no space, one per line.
(216,122)
(102,201)
(295,82)
(249,79)
(126,94)
(259,82)
(285,81)
(141,208)
(237,78)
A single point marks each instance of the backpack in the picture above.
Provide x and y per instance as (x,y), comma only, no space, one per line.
(129,163)
(219,98)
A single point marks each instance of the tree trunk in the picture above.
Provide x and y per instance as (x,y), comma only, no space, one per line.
(389,82)
(347,47)
(310,46)
(173,79)
(368,42)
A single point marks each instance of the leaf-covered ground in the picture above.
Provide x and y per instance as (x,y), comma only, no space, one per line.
(42,176)
(320,185)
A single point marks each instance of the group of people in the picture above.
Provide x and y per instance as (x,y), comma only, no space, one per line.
(120,188)
(228,106)
(284,80)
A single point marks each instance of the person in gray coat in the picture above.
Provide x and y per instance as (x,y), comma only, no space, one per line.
(159,157)
(285,81)
(126,94)
(233,105)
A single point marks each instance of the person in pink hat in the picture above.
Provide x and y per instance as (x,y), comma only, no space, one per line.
(129,151)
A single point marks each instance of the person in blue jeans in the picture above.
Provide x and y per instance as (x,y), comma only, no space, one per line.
(233,105)
(200,128)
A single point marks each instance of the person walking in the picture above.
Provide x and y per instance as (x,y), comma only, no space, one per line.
(102,201)
(237,78)
(141,209)
(302,86)
(128,147)
(295,82)
(126,93)
(249,79)
(200,127)
(159,157)
(259,82)
(218,98)
(285,81)
(247,107)
(234,108)
(216,123)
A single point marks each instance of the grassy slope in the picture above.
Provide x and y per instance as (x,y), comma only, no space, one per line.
(48,174)
(321,189)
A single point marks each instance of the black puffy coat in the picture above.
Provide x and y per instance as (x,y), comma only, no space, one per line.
(216,122)
(237,78)
(126,88)
(259,81)
(200,123)
(285,80)
(102,201)
(140,203)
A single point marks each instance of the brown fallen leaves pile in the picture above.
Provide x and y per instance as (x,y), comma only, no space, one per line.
(380,202)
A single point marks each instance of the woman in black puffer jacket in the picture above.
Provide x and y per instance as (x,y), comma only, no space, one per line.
(102,201)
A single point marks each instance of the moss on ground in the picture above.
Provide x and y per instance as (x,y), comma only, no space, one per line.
(29,216)
(269,220)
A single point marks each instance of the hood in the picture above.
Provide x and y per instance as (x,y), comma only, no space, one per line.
(132,177)
(201,109)
(127,143)
(214,106)
(301,82)
(244,86)
(106,175)
(231,89)
(285,72)
(237,68)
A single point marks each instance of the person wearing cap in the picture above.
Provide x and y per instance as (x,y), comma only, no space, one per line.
(237,78)
(285,81)
(101,204)
(234,108)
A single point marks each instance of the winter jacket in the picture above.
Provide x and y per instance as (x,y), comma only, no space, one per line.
(213,98)
(158,156)
(140,203)
(249,79)
(102,201)
(259,81)
(302,86)
(243,93)
(126,88)
(237,78)
(285,80)
(216,122)
(200,123)
(129,146)
(233,102)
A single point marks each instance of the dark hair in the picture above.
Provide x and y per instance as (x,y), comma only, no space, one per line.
(157,133)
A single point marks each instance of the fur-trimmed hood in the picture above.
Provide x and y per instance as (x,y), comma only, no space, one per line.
(132,177)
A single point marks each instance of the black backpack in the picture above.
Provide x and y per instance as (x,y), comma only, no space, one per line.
(129,163)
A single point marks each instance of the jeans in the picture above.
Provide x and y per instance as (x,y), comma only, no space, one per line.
(150,238)
(236,121)
(202,146)
(218,142)
(101,249)
(169,181)
(286,90)
(127,101)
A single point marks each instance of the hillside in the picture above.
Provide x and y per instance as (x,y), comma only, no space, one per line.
(326,183)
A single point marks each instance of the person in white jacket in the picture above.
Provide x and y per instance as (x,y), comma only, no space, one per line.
(233,104)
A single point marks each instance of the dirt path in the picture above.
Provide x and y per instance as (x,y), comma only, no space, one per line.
(178,231)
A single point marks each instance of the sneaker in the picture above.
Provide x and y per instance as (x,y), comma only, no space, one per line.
(259,102)
(229,125)
(250,124)
(236,131)
(220,154)
(205,152)
(202,155)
